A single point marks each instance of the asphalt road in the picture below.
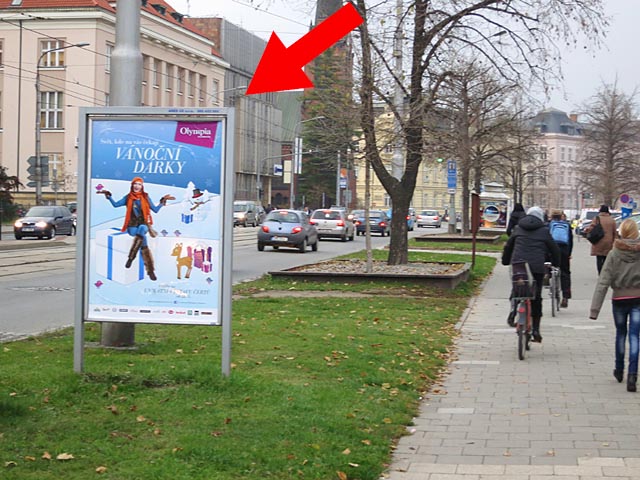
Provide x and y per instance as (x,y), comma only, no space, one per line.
(37,277)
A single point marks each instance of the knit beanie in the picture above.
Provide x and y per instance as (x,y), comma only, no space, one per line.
(536,212)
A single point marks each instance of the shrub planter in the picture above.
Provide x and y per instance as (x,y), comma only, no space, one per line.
(438,274)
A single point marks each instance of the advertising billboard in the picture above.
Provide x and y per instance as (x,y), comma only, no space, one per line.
(154,216)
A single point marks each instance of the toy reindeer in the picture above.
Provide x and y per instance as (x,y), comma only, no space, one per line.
(182,261)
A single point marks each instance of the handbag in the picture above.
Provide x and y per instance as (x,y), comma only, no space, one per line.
(596,233)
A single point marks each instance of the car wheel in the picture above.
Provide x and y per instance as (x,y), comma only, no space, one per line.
(18,237)
(319,238)
(351,237)
(260,247)
(314,247)
(303,246)
(276,247)
(72,232)
(52,233)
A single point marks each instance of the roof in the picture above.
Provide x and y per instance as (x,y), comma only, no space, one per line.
(157,8)
(552,120)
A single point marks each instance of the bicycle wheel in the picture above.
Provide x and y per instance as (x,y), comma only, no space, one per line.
(522,342)
(552,292)
(558,294)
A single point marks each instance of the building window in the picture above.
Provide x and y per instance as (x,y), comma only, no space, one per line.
(1,53)
(202,88)
(180,86)
(107,63)
(192,83)
(107,100)
(215,90)
(168,73)
(51,58)
(156,72)
(562,153)
(56,171)
(51,110)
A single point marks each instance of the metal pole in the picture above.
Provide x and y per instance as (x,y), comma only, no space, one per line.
(125,89)
(338,181)
(397,162)
(452,213)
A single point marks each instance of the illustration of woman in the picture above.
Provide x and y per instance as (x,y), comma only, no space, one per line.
(138,221)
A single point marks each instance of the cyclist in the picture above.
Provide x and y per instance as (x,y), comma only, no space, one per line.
(531,242)
(561,232)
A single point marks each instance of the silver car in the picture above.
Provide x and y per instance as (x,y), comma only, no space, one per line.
(429,218)
(333,224)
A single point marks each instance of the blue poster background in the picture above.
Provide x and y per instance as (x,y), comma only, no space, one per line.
(186,249)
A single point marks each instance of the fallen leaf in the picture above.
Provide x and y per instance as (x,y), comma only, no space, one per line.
(346,451)
(30,459)
(551,453)
(64,457)
(10,464)
(366,442)
(101,470)
(354,465)
(113,409)
(386,420)
(507,453)
(140,418)
(46,456)
(342,475)
(179,350)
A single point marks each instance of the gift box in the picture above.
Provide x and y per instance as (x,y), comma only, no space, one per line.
(112,252)
(186,218)
(206,267)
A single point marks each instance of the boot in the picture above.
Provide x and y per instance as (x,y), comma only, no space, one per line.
(511,319)
(135,246)
(147,258)
(632,378)
(619,374)
(536,337)
(564,303)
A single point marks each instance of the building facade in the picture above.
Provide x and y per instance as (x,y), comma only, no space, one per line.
(258,130)
(181,67)
(558,184)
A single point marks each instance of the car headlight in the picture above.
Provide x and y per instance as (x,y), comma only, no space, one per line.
(41,224)
(18,224)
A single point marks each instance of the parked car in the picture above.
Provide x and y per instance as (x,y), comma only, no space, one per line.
(429,218)
(287,228)
(333,224)
(586,216)
(245,213)
(378,223)
(44,222)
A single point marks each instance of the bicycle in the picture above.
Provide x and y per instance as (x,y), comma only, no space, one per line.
(555,291)
(523,291)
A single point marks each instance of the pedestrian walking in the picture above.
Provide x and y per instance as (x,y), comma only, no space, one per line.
(601,249)
(561,233)
(531,242)
(621,272)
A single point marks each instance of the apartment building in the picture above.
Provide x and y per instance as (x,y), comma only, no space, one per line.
(39,40)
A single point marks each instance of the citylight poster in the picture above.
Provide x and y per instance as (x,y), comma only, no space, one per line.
(155,216)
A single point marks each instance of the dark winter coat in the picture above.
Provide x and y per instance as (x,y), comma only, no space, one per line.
(515,217)
(531,242)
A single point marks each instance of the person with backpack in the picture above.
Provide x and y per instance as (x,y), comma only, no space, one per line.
(602,247)
(561,233)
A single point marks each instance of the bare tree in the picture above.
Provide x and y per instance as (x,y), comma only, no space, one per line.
(516,37)
(610,156)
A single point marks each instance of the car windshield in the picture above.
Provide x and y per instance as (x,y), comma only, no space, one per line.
(282,216)
(591,215)
(240,208)
(327,215)
(40,212)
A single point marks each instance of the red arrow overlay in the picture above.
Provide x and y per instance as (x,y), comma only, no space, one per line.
(280,68)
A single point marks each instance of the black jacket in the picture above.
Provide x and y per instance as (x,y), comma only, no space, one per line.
(515,217)
(531,242)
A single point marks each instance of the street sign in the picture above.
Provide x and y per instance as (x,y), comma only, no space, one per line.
(277,170)
(452,176)
(44,166)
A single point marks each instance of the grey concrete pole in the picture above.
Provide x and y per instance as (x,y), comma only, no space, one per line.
(125,90)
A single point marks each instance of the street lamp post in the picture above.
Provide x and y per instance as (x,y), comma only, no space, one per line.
(38,162)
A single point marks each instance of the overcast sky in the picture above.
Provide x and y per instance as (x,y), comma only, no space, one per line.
(585,69)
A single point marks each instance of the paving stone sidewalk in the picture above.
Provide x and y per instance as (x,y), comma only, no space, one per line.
(559,414)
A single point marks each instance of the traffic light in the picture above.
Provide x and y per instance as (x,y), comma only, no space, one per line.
(44,169)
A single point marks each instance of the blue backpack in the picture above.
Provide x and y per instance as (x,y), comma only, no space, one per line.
(560,232)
